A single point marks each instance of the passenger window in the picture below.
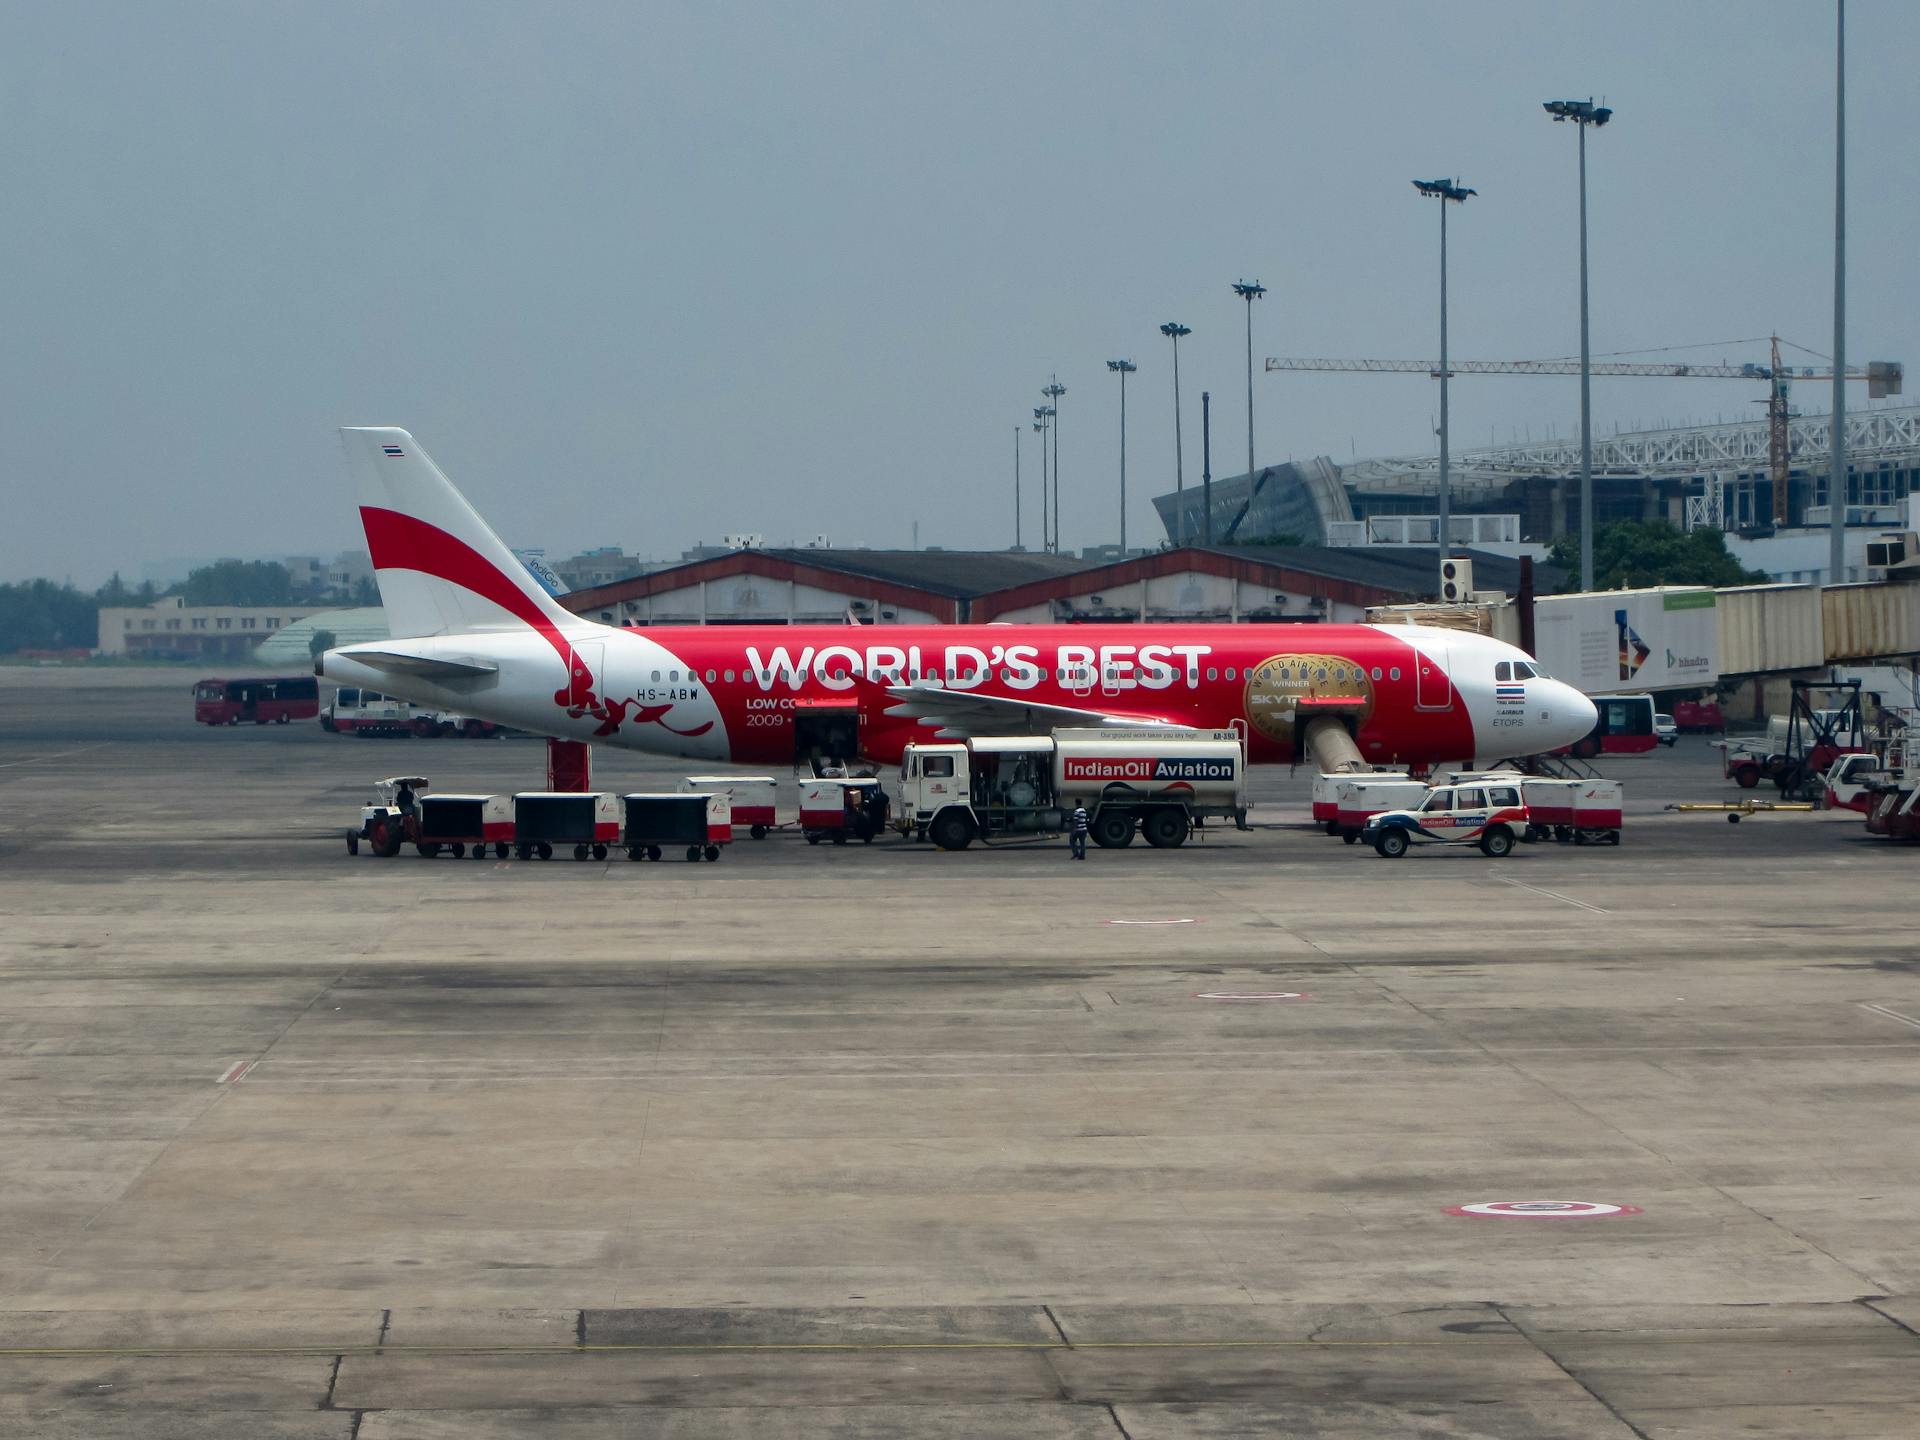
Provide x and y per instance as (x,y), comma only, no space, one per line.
(939,765)
(1502,796)
(1212,673)
(711,677)
(1230,672)
(727,675)
(1469,800)
(1394,673)
(656,677)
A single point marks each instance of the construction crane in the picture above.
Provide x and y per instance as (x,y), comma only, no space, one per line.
(1883,378)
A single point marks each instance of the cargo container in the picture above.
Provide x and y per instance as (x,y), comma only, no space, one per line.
(696,822)
(1360,797)
(838,809)
(542,819)
(1597,814)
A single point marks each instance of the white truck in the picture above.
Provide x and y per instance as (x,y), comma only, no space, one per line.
(354,711)
(1156,783)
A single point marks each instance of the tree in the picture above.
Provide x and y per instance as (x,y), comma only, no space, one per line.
(40,615)
(240,582)
(1630,554)
(365,592)
(322,641)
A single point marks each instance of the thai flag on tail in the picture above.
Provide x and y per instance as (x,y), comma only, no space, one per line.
(1503,693)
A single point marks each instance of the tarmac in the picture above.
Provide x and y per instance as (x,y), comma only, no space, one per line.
(876,1141)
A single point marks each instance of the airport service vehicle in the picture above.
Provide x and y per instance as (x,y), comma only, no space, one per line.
(1490,815)
(839,808)
(1896,810)
(1156,784)
(1800,746)
(392,819)
(1357,798)
(263,701)
(456,823)
(751,798)
(1666,729)
(475,634)
(701,822)
(587,820)
(1698,715)
(357,711)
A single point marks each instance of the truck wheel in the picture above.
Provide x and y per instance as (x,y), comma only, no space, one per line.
(428,848)
(1352,837)
(1497,843)
(1392,843)
(712,852)
(472,730)
(459,850)
(579,852)
(353,842)
(759,832)
(951,830)
(653,852)
(543,850)
(499,849)
(693,853)
(480,850)
(377,837)
(1165,829)
(1332,826)
(599,852)
(1112,828)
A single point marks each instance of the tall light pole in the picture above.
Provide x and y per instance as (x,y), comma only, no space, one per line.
(1837,478)
(1053,392)
(1173,330)
(1123,368)
(1016,488)
(1444,191)
(1583,113)
(1206,465)
(1249,291)
(1042,419)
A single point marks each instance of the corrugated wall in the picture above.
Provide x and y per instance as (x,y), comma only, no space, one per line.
(1770,627)
(1864,621)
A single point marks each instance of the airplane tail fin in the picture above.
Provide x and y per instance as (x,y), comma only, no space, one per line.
(440,568)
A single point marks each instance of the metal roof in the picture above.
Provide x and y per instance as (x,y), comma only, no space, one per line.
(960,574)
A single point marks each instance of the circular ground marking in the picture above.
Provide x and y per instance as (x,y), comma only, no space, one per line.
(1153,922)
(1252,995)
(1542,1210)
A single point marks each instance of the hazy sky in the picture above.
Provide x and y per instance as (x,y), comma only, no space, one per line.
(642,273)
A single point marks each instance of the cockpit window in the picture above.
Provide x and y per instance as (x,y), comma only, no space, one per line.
(1503,671)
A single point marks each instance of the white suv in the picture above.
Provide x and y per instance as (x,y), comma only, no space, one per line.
(1489,814)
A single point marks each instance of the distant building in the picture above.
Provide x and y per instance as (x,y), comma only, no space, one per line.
(171,629)
(597,567)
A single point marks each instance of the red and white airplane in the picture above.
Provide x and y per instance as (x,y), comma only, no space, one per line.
(475,633)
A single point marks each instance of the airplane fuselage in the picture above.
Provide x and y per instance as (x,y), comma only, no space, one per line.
(754,695)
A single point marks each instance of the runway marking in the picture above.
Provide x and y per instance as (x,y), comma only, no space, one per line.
(234,1072)
(1252,995)
(1891,1014)
(1552,895)
(1541,1210)
(58,754)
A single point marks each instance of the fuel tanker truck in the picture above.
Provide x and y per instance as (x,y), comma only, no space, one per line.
(1157,783)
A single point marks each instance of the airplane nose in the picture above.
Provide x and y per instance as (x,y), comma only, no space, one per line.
(1574,715)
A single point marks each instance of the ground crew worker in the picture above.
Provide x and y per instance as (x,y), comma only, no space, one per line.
(1077,824)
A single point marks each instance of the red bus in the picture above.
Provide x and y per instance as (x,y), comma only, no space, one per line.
(1625,727)
(272,700)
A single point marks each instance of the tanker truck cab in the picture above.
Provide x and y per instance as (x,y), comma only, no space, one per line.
(1152,782)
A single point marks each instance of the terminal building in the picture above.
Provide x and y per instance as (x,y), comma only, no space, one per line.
(171,629)
(1693,476)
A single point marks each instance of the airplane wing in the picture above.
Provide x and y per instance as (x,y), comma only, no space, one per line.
(960,713)
(427,667)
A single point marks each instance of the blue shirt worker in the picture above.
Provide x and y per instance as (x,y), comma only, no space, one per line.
(1077,831)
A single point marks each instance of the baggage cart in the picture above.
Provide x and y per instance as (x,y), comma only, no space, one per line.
(586,820)
(698,823)
(458,823)
(1596,812)
(836,809)
(751,798)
